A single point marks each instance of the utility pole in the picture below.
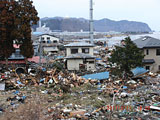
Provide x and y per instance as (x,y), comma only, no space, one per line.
(91,23)
(40,50)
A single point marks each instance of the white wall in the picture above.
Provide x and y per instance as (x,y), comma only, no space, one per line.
(68,50)
(51,38)
(74,64)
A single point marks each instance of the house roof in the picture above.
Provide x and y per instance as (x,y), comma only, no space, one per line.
(79,55)
(97,76)
(79,44)
(148,61)
(13,62)
(36,59)
(147,42)
(48,35)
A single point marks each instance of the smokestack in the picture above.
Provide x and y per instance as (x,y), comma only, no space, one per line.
(91,22)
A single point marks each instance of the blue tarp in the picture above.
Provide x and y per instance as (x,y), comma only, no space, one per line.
(38,33)
(97,76)
(138,71)
(59,57)
(98,59)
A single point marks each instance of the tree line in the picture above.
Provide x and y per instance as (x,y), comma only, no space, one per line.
(16,19)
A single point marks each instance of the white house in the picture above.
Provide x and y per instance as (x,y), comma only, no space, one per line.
(49,43)
(79,56)
(46,38)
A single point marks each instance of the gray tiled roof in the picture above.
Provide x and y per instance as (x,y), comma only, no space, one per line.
(79,44)
(147,42)
(79,55)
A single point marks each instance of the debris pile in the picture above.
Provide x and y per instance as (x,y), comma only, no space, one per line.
(64,95)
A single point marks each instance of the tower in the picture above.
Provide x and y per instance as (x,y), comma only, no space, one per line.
(91,22)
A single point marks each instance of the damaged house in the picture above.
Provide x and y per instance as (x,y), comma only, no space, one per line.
(50,43)
(79,56)
(151,48)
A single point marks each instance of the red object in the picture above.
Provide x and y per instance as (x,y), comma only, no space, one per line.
(36,59)
(13,62)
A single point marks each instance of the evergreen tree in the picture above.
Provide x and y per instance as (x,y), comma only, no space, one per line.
(26,17)
(16,19)
(126,58)
(6,28)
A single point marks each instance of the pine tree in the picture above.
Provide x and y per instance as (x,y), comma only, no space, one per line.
(126,58)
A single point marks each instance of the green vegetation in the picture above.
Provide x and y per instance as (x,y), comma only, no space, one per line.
(126,57)
(16,19)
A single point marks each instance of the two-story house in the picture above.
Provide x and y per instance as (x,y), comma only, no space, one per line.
(50,43)
(151,48)
(79,56)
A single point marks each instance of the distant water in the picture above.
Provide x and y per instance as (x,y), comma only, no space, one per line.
(116,40)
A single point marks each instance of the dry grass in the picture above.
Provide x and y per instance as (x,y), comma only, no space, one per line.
(29,111)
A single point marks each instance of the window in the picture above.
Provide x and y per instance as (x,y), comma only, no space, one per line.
(147,67)
(85,50)
(157,51)
(84,62)
(54,41)
(147,52)
(42,38)
(91,62)
(48,38)
(74,51)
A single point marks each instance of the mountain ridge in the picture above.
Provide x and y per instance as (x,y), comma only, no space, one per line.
(102,25)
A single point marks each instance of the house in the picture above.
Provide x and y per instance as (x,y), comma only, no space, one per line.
(50,43)
(151,49)
(46,38)
(79,56)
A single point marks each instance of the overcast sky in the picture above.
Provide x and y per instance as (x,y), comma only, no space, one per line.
(134,10)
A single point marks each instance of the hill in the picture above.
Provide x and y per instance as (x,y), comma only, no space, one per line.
(103,25)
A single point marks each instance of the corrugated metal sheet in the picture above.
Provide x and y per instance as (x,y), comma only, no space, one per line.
(97,76)
(138,71)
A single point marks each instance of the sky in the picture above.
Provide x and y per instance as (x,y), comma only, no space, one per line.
(133,10)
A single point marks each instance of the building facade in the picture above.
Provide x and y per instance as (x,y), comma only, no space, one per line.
(151,49)
(49,43)
(79,56)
